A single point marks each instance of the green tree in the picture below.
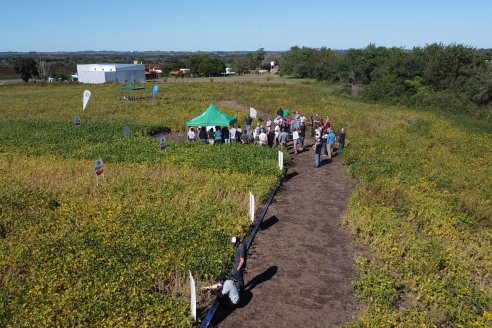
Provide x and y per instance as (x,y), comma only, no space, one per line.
(211,67)
(195,60)
(297,62)
(26,67)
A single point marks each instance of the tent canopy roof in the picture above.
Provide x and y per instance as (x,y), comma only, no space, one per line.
(130,87)
(212,117)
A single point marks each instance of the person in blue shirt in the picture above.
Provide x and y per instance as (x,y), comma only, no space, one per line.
(218,135)
(331,141)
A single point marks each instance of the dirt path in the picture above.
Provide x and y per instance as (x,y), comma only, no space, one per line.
(301,265)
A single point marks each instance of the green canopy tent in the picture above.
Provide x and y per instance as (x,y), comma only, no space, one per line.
(131,87)
(212,117)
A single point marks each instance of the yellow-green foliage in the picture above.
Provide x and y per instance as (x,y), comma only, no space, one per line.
(74,252)
(423,208)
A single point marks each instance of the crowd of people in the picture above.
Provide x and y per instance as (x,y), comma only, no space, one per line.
(277,132)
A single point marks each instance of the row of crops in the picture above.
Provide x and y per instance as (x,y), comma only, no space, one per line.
(75,251)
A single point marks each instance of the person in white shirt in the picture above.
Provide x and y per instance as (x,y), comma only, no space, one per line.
(302,119)
(191,135)
(277,133)
(269,125)
(263,138)
(295,137)
(233,134)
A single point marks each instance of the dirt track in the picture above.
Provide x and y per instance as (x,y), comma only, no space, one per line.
(301,266)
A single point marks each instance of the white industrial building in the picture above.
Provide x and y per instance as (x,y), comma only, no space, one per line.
(108,73)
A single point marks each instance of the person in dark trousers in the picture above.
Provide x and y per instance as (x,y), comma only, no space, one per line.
(226,135)
(248,121)
(239,261)
(271,138)
(203,135)
(317,153)
(341,141)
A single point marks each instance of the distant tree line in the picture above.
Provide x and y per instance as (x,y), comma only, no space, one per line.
(451,76)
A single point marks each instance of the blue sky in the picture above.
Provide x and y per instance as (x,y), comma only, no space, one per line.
(211,25)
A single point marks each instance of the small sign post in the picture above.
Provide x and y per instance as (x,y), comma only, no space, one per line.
(252,207)
(126,132)
(99,169)
(76,121)
(281,160)
(193,297)
(163,143)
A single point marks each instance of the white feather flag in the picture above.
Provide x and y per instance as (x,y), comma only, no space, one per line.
(85,99)
(252,112)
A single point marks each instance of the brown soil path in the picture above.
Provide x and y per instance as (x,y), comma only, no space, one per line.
(301,266)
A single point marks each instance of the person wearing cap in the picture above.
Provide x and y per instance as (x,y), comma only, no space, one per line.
(239,261)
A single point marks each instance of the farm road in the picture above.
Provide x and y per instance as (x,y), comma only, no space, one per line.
(301,265)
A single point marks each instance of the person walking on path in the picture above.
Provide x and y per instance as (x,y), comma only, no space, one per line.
(341,141)
(317,153)
(295,138)
(324,143)
(282,139)
(302,135)
(239,261)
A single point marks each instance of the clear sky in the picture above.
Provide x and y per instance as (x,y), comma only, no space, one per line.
(211,25)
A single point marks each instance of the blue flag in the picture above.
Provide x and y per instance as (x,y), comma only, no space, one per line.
(154,90)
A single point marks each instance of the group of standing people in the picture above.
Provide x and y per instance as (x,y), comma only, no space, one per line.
(278,132)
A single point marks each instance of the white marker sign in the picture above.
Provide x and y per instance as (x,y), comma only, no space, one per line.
(76,120)
(126,132)
(99,168)
(85,99)
(281,160)
(193,297)
(252,207)
(252,112)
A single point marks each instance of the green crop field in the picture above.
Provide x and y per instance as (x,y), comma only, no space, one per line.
(117,253)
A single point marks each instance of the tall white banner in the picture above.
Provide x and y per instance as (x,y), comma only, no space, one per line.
(252,207)
(193,297)
(281,160)
(252,112)
(85,98)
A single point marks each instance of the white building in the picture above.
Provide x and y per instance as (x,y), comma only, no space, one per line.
(107,73)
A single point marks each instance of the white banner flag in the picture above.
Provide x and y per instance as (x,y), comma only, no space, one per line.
(281,160)
(252,207)
(85,99)
(252,112)
(193,297)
